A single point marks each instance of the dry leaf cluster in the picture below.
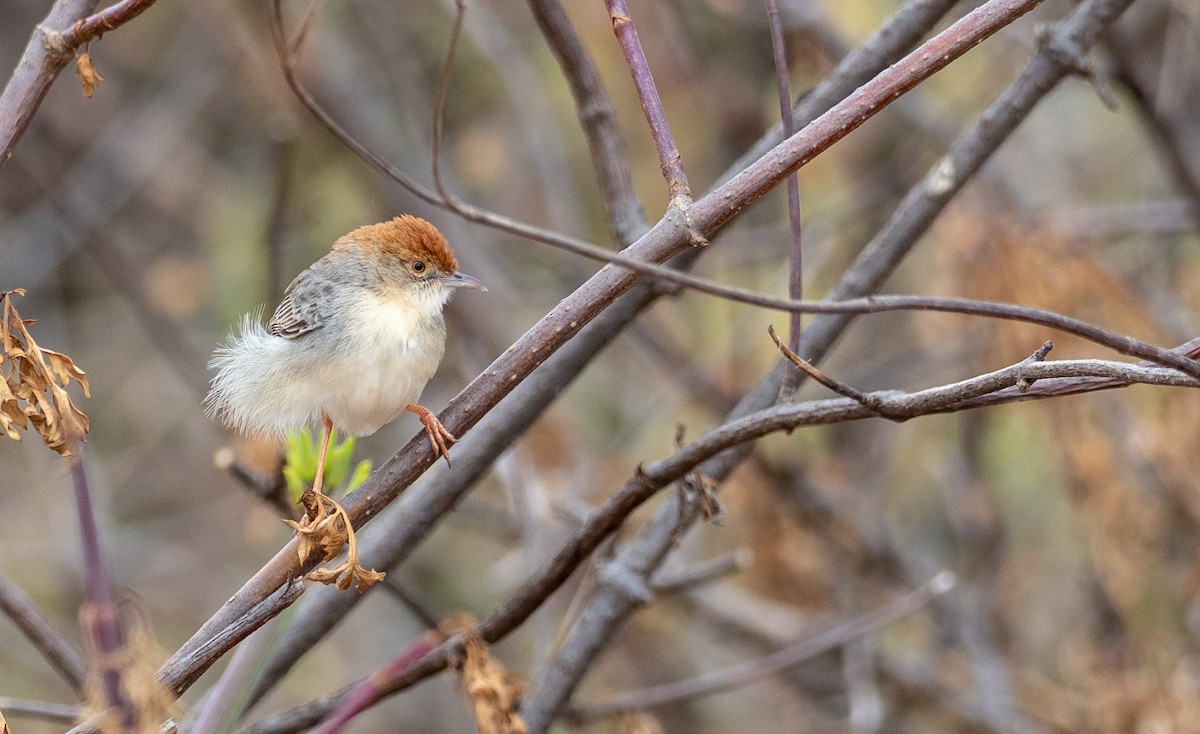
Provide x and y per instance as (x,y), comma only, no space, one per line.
(32,388)
(324,530)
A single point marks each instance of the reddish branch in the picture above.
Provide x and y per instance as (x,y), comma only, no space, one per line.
(371,689)
(106,20)
(98,617)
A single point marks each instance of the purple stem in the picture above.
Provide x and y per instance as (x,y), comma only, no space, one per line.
(793,377)
(99,616)
(668,154)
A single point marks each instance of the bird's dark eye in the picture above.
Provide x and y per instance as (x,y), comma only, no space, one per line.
(418,267)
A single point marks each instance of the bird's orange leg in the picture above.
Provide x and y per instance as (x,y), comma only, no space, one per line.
(326,432)
(437,433)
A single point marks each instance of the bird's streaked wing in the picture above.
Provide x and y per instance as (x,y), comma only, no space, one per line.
(305,308)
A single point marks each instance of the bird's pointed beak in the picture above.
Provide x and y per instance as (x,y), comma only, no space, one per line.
(459,279)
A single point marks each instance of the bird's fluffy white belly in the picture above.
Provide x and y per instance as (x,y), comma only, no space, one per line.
(266,384)
(363,393)
(372,378)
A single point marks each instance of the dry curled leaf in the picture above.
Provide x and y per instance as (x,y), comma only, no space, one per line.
(324,530)
(492,690)
(88,76)
(33,384)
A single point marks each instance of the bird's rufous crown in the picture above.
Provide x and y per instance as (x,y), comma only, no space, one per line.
(408,236)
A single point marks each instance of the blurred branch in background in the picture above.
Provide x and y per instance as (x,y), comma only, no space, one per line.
(752,671)
(55,648)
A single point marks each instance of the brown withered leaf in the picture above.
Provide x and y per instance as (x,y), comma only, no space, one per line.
(33,384)
(10,412)
(492,690)
(349,572)
(88,76)
(321,531)
(65,369)
(324,530)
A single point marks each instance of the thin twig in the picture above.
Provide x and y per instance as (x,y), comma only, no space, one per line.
(49,641)
(756,670)
(796,262)
(439,100)
(669,158)
(56,712)
(310,16)
(1024,389)
(875,405)
(272,490)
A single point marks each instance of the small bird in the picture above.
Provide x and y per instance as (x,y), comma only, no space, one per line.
(355,340)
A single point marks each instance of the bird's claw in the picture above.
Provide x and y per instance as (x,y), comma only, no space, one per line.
(436,432)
